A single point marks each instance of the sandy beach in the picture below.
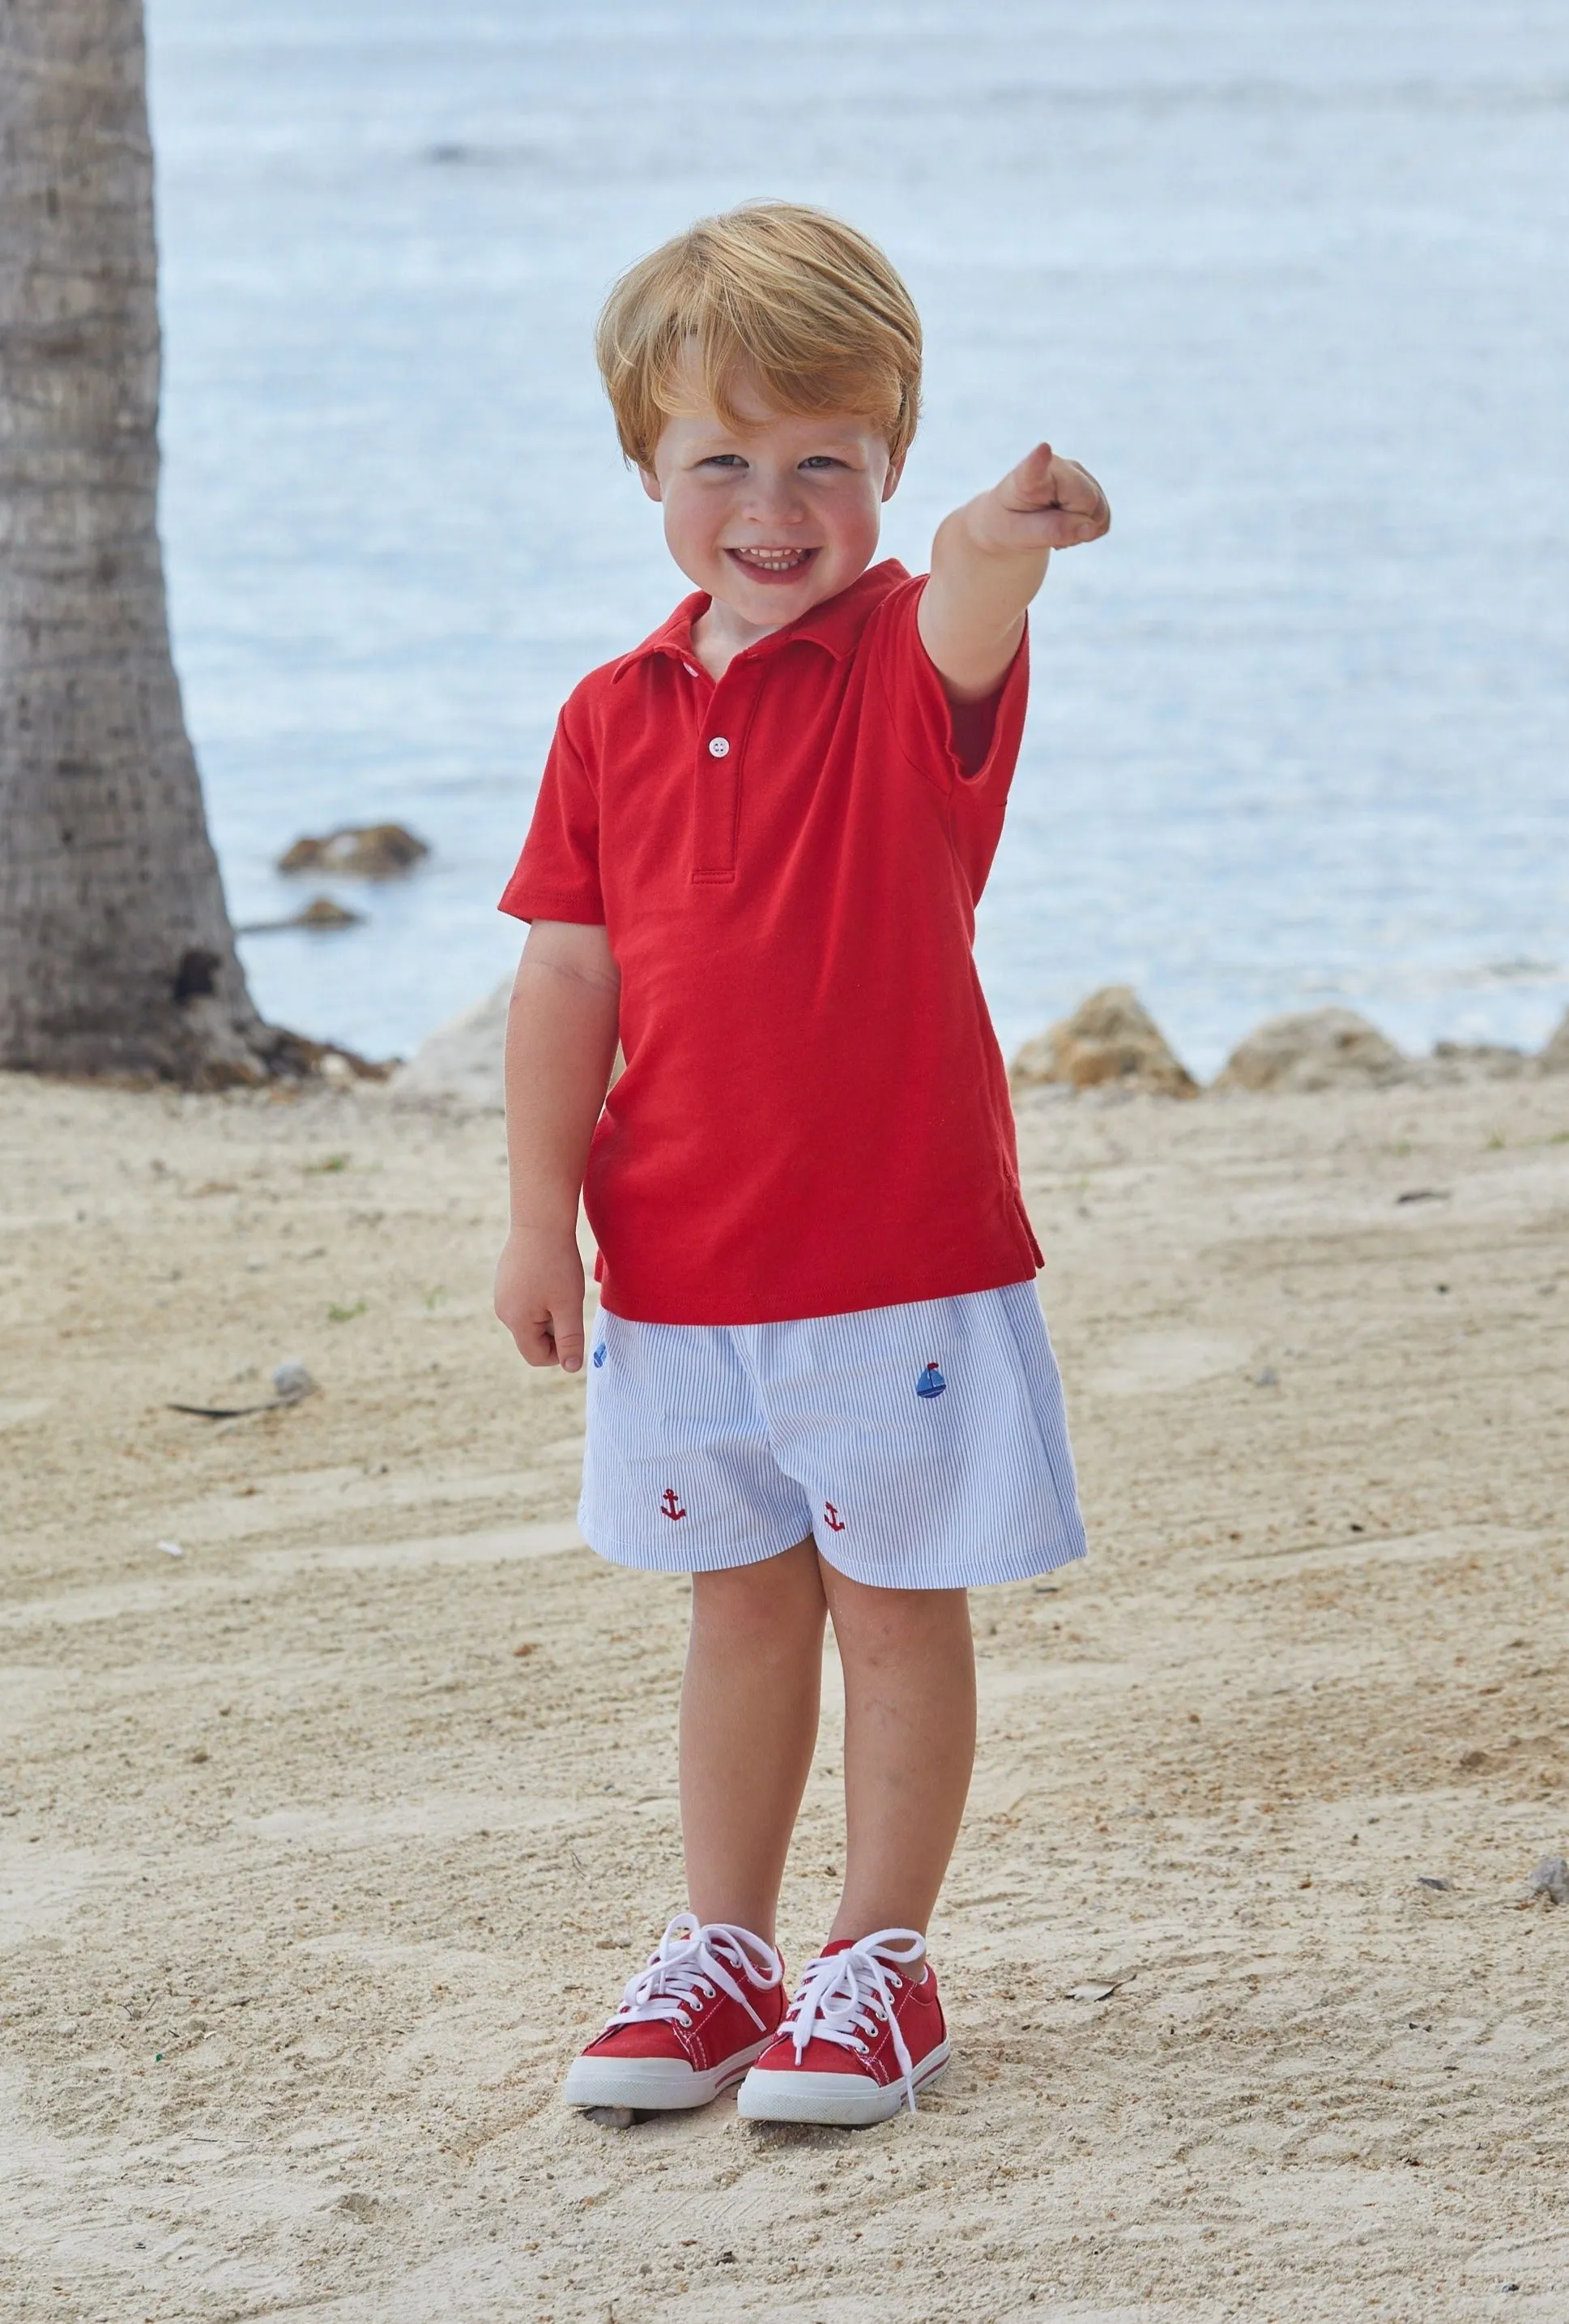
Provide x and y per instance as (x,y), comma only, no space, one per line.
(324,1842)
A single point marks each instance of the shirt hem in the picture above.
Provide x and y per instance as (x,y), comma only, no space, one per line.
(864,1298)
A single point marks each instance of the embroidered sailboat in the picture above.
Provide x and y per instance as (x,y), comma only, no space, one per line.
(931,1381)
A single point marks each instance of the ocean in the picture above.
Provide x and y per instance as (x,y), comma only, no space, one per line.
(1291,279)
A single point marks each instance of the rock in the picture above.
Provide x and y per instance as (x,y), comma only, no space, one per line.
(1111,1037)
(325,912)
(1323,1048)
(1466,1061)
(367,850)
(321,912)
(291,1381)
(461,1061)
(1432,1880)
(1551,1879)
(1554,1057)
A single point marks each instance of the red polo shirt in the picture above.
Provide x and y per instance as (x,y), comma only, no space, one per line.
(814,1116)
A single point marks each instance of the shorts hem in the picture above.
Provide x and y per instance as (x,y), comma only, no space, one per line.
(977,1573)
(725,1560)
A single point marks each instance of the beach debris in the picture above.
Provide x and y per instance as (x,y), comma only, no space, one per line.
(1093,1992)
(1422,1194)
(1551,1879)
(460,1063)
(1110,1038)
(1322,1048)
(290,1382)
(219,1411)
(362,851)
(171,1549)
(321,912)
(1554,1057)
(611,2117)
(1433,1880)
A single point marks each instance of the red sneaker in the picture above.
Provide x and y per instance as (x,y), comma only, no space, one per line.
(689,2024)
(859,2039)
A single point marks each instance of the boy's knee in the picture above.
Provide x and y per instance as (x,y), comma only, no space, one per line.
(874,1625)
(780,1598)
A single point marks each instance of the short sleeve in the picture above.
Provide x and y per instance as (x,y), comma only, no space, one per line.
(557,873)
(970,747)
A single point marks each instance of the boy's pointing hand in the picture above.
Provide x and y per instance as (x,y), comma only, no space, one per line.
(1045,503)
(988,559)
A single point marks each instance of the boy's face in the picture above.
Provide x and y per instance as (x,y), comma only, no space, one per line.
(773,518)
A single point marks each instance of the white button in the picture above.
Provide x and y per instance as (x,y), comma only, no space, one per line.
(718,748)
(690,669)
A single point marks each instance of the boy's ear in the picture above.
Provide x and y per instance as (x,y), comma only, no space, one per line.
(650,484)
(890,482)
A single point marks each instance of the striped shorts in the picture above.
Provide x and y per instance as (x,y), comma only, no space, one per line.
(923,1447)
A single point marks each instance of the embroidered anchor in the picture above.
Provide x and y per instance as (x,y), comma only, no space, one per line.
(671,1505)
(931,1381)
(835,1523)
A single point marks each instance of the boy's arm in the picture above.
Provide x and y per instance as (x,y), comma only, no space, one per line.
(560,1046)
(990,558)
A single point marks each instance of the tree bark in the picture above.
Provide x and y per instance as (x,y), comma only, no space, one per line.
(116,956)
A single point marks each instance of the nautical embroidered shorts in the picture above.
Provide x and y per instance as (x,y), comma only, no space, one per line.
(923,1447)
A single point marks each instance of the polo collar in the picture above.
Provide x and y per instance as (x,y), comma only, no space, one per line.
(835,625)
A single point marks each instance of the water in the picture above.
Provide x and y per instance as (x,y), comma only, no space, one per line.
(1291,281)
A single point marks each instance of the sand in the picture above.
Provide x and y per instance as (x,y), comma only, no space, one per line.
(324,1842)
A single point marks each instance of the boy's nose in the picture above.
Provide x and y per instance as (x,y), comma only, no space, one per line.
(774,500)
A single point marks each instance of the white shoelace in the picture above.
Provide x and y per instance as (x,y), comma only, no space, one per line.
(693,1962)
(844,1998)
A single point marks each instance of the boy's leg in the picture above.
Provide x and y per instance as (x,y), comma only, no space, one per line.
(910,1746)
(749,1721)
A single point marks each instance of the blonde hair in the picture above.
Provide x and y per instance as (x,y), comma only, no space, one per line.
(805,305)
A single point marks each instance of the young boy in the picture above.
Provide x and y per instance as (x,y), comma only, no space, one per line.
(819,1379)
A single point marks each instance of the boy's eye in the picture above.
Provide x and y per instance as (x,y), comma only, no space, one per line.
(821,460)
(723,460)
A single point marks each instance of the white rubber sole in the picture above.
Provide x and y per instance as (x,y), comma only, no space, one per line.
(847,2101)
(654,2085)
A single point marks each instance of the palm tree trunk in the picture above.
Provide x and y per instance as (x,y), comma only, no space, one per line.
(116,956)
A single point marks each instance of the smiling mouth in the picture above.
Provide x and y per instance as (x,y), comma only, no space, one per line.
(772,564)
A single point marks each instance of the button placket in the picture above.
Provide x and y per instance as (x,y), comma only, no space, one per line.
(718,789)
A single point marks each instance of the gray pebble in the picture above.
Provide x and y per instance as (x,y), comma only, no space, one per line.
(291,1381)
(1551,1879)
